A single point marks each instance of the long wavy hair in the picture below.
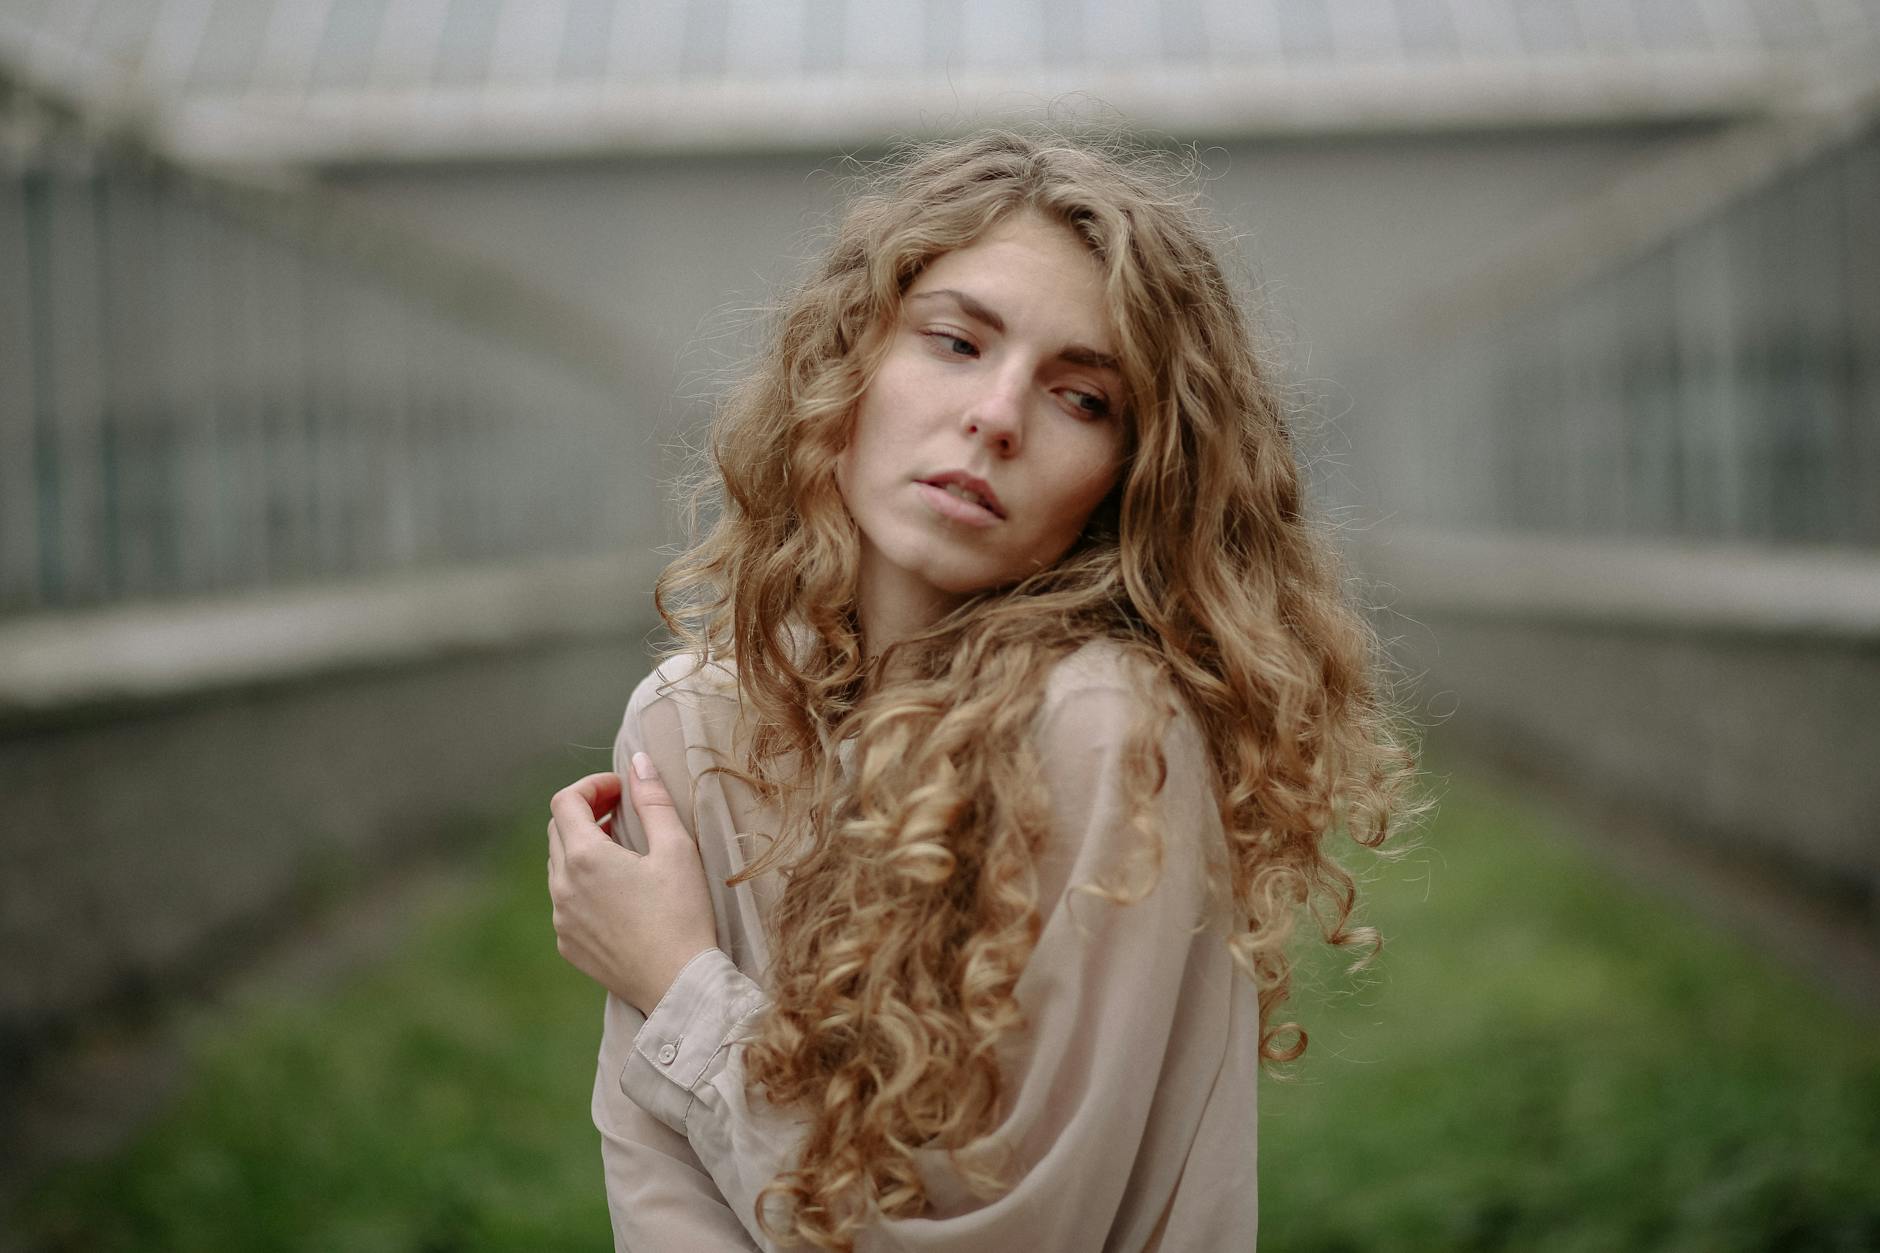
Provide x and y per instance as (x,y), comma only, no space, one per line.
(910,903)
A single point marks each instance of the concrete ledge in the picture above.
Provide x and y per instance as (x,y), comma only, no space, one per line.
(1709,587)
(824,113)
(178,777)
(145,850)
(1726,693)
(158,651)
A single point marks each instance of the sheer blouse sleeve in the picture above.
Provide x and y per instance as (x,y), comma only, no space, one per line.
(1100,994)
(659,1195)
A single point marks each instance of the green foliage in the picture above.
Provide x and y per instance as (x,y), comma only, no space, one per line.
(1547,1058)
(1544,1058)
(438,1103)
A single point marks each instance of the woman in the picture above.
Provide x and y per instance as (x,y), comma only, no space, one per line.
(1017,700)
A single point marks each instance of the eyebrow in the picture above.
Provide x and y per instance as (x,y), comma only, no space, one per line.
(974,308)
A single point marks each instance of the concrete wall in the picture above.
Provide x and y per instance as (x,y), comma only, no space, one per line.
(1727,695)
(148,832)
(1765,747)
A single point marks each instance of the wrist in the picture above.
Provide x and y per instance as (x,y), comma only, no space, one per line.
(662,984)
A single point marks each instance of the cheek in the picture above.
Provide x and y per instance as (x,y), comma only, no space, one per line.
(1077,498)
(855,464)
(1088,504)
(843,473)
(1099,476)
(852,461)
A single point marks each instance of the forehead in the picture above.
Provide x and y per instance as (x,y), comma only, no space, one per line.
(1035,274)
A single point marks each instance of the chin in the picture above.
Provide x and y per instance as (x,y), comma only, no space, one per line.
(969,578)
(963,584)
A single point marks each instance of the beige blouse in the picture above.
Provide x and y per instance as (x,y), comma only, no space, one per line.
(1131,1095)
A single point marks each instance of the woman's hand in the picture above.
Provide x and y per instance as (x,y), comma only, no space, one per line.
(627,921)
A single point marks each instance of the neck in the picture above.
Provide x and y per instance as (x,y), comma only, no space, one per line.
(893,605)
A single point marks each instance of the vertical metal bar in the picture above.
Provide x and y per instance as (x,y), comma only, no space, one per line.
(19,335)
(1656,469)
(1862,191)
(1671,384)
(340,426)
(182,330)
(78,398)
(221,419)
(1604,478)
(401,523)
(1784,422)
(1743,469)
(244,380)
(316,303)
(1506,430)
(1580,415)
(310,396)
(1821,296)
(355,462)
(112,342)
(36,195)
(372,476)
(1700,316)
(276,353)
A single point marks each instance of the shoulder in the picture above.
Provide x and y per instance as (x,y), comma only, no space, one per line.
(685,702)
(687,678)
(1118,748)
(1096,696)
(1107,712)
(1098,665)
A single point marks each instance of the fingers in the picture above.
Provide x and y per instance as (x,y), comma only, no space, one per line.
(653,803)
(647,787)
(600,792)
(576,807)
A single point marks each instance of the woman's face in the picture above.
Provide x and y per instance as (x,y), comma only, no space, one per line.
(992,428)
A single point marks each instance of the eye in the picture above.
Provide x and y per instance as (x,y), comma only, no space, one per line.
(1092,403)
(949,344)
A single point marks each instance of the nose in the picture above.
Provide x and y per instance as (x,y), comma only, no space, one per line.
(996,416)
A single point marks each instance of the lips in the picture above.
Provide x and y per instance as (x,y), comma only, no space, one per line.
(969,489)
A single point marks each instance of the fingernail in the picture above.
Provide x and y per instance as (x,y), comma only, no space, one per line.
(643,766)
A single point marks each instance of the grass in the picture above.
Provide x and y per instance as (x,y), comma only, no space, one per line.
(1554,1060)
(1548,1059)
(436,1103)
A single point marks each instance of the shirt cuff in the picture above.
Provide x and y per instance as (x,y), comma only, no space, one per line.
(679,1045)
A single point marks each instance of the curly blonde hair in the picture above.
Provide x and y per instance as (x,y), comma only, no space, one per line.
(906,920)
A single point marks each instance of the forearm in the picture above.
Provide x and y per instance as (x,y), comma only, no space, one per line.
(659,1195)
(683,1071)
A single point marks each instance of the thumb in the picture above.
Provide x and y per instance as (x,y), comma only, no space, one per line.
(653,803)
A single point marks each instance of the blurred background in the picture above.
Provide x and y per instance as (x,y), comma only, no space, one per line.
(349,350)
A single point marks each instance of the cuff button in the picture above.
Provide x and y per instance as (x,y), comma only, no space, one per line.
(666,1053)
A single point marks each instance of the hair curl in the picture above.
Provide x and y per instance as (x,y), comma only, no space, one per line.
(906,921)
